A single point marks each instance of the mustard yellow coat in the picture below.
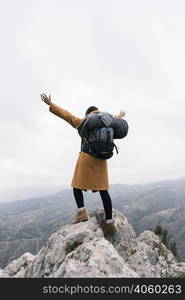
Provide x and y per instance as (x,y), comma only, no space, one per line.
(90,173)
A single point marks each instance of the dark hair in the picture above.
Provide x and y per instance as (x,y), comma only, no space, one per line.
(90,109)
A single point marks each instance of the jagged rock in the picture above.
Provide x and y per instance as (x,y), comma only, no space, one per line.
(60,244)
(124,239)
(97,258)
(73,241)
(17,267)
(153,259)
(81,250)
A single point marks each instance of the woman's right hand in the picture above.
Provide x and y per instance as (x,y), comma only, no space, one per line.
(122,113)
(46,99)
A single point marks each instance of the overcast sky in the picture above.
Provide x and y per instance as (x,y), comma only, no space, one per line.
(115,54)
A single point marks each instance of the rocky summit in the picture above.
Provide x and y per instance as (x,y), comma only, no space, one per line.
(81,250)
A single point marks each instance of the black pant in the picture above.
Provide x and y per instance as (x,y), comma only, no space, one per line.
(106,199)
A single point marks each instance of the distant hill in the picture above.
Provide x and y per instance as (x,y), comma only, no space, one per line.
(26,224)
(25,192)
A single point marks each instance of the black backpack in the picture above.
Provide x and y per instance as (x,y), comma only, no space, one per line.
(100,143)
(98,134)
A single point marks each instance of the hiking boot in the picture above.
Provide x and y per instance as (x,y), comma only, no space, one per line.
(108,228)
(81,216)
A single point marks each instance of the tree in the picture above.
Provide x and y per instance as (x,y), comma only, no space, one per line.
(165,237)
(173,249)
(158,230)
(163,234)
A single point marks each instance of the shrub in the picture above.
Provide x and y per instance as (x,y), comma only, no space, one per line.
(170,245)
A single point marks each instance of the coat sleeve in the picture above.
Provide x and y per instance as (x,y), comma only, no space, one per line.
(65,115)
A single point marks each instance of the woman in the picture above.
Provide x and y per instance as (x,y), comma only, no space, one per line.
(90,173)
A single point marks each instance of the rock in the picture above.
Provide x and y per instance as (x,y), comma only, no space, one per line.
(124,239)
(153,259)
(97,258)
(17,267)
(81,250)
(60,244)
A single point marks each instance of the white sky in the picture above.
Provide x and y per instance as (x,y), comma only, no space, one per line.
(109,53)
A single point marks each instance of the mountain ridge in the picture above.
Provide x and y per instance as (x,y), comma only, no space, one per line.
(25,225)
(82,250)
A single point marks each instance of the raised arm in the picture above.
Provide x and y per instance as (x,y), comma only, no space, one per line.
(60,112)
(65,115)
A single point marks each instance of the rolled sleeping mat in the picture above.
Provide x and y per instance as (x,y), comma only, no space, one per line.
(120,127)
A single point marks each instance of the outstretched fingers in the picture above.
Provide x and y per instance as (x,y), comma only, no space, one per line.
(44,97)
